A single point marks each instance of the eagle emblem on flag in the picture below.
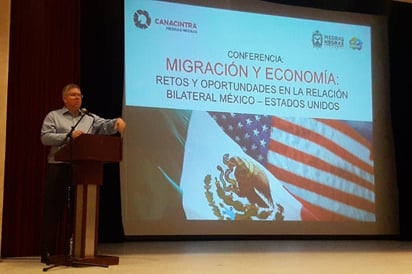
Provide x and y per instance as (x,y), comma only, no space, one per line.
(241,192)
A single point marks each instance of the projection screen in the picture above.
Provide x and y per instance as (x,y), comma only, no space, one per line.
(255,118)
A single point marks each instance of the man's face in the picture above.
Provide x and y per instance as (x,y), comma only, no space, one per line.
(73,99)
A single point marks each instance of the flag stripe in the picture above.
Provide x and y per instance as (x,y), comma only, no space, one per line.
(323,190)
(347,130)
(335,208)
(326,165)
(313,161)
(312,212)
(319,139)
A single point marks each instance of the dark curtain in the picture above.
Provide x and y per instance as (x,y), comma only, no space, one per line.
(44,55)
(55,42)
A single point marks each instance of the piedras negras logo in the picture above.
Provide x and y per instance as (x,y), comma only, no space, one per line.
(317,39)
(320,40)
(141,19)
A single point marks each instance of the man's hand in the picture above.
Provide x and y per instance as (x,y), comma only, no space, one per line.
(120,125)
(76,134)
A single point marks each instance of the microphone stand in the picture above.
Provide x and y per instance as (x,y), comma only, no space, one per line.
(69,134)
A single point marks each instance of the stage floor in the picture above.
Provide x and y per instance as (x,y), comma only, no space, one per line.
(246,256)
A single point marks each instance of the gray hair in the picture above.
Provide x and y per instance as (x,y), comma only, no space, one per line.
(69,87)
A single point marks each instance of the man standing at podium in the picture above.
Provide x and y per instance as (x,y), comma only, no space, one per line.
(59,127)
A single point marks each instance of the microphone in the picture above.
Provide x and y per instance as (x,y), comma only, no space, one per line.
(86,112)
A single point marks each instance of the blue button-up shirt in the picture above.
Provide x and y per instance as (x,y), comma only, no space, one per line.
(58,123)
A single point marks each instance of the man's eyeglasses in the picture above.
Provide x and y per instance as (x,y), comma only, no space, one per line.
(76,95)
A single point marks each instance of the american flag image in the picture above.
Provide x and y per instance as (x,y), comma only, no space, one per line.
(327,165)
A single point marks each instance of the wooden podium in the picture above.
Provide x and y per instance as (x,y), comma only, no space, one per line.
(87,154)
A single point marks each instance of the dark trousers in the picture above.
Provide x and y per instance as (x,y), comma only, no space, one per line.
(58,204)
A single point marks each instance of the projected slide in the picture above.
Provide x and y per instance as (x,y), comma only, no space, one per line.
(236,115)
(187,57)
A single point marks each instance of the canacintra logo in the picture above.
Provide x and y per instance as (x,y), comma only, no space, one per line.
(142,19)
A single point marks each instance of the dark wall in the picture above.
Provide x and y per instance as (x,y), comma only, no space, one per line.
(102,50)
(400,61)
